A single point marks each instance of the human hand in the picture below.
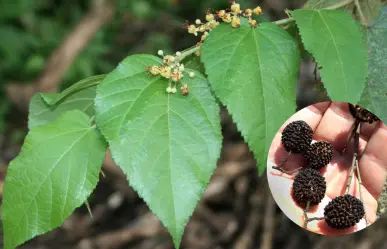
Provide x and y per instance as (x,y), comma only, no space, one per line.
(332,122)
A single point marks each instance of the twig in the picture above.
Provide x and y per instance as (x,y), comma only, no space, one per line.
(354,158)
(279,167)
(350,136)
(88,208)
(360,184)
(61,59)
(316,218)
(361,15)
(306,214)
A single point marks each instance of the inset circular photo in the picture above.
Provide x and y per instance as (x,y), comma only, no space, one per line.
(327,168)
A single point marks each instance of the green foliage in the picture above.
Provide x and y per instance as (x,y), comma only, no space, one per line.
(45,108)
(254,72)
(167,144)
(375,94)
(15,8)
(335,41)
(193,62)
(55,172)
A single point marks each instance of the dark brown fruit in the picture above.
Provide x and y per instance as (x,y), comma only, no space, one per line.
(343,212)
(309,185)
(319,154)
(297,136)
(362,115)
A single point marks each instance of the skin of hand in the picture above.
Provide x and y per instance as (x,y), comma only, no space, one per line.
(332,122)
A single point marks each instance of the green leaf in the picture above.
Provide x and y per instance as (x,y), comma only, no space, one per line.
(55,172)
(45,108)
(80,85)
(193,62)
(254,73)
(336,43)
(41,113)
(167,144)
(374,97)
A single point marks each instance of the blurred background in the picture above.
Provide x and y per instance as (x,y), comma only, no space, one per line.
(47,45)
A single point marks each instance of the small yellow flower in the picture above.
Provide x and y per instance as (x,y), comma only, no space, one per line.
(213,24)
(253,23)
(198,21)
(176,76)
(236,22)
(209,17)
(184,90)
(192,29)
(227,18)
(165,72)
(258,11)
(202,28)
(248,12)
(169,59)
(221,13)
(236,8)
(155,70)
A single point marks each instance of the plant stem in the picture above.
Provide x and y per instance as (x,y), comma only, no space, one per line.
(284,21)
(279,167)
(306,215)
(88,208)
(354,158)
(360,184)
(316,218)
(362,18)
(188,52)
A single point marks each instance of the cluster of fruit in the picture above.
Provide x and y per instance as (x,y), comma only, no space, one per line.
(309,185)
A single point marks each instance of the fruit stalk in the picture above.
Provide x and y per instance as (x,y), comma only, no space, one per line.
(354,158)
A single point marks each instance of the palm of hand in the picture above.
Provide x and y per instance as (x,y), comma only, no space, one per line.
(332,122)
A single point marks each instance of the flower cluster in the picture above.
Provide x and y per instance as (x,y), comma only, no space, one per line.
(171,69)
(232,16)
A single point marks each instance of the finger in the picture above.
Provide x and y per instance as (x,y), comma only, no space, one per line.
(311,115)
(366,130)
(373,162)
(336,125)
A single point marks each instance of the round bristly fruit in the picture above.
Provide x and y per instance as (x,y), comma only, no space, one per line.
(318,154)
(297,136)
(362,115)
(309,186)
(344,212)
